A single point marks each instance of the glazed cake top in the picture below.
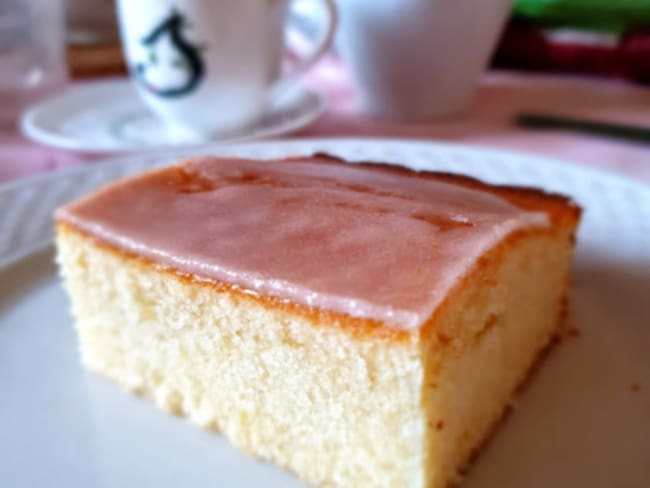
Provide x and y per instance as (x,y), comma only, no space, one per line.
(368,242)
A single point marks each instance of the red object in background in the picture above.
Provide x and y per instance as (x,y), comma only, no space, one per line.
(635,55)
(528,46)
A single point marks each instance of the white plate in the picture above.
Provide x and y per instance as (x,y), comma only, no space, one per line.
(109,116)
(578,423)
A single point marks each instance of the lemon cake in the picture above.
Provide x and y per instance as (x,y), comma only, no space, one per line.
(362,325)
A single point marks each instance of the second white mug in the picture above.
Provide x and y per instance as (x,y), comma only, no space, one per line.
(418,60)
(209,67)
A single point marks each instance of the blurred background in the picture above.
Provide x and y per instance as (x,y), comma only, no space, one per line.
(598,37)
(564,78)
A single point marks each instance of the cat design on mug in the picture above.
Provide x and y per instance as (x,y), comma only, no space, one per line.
(204,93)
(167,42)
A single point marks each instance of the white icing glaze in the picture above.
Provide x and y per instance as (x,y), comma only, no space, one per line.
(371,243)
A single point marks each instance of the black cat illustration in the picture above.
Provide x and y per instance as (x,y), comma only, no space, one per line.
(186,57)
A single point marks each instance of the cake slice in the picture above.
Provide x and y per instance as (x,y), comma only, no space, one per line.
(361,325)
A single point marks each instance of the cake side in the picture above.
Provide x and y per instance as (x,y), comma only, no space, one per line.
(485,339)
(336,407)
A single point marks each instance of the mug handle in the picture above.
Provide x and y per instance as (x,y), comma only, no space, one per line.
(304,65)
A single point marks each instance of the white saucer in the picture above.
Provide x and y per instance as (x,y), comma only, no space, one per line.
(110,117)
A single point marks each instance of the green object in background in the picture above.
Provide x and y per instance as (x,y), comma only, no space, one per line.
(599,14)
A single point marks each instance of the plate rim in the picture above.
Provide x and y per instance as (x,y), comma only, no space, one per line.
(179,153)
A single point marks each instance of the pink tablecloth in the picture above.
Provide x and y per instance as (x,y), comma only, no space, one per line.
(488,122)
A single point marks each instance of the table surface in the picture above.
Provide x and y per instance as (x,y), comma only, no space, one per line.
(488,122)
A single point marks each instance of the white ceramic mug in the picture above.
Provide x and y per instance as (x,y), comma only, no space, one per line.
(209,67)
(417,60)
